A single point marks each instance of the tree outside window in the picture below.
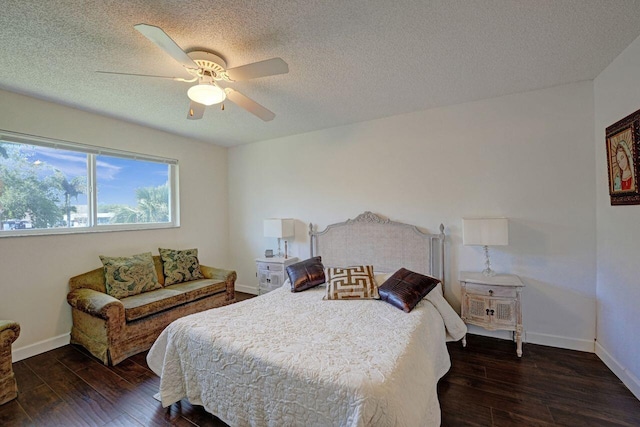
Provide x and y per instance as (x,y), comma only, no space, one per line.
(43,187)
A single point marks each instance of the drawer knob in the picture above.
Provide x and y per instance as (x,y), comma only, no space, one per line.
(490,291)
(487,311)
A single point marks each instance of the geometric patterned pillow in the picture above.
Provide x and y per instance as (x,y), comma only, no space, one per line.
(180,266)
(351,283)
(126,276)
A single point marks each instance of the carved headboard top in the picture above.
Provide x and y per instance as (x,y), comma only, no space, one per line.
(370,239)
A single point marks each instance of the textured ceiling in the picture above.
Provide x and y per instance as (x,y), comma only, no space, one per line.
(349,61)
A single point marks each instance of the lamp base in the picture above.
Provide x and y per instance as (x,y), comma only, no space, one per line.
(487,272)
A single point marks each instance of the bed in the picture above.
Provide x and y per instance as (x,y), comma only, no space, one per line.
(289,359)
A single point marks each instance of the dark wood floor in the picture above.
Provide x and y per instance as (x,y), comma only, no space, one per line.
(486,386)
(489,386)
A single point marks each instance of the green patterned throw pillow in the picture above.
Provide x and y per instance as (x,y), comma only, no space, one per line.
(127,276)
(180,266)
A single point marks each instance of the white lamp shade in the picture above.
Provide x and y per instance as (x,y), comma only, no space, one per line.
(485,231)
(206,94)
(278,227)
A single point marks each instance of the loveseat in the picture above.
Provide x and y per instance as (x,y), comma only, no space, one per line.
(113,329)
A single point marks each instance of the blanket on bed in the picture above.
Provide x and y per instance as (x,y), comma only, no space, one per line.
(286,359)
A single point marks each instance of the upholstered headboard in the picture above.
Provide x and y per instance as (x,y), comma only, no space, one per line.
(370,239)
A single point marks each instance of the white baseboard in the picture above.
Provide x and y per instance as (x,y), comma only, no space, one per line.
(253,289)
(40,347)
(538,338)
(561,342)
(631,381)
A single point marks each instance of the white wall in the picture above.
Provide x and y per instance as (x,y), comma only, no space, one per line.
(527,156)
(617,94)
(35,270)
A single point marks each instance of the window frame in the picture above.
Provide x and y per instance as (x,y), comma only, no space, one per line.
(92,153)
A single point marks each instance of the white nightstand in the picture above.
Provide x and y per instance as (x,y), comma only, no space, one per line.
(493,303)
(272,272)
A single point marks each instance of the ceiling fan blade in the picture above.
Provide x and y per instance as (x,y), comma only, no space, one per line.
(141,75)
(166,43)
(268,67)
(196,111)
(249,104)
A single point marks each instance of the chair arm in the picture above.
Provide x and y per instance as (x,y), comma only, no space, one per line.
(9,332)
(96,303)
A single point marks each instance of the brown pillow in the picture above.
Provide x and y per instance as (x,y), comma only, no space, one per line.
(405,288)
(351,283)
(306,274)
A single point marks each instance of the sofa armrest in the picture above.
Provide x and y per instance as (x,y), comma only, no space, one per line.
(218,273)
(96,303)
(229,277)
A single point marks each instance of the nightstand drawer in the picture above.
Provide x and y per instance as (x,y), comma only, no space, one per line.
(270,266)
(491,291)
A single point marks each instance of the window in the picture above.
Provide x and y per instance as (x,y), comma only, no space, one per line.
(49,186)
(132,191)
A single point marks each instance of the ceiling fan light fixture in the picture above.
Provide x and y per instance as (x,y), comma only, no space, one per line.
(206,94)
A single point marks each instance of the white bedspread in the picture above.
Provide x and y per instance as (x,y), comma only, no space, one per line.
(286,359)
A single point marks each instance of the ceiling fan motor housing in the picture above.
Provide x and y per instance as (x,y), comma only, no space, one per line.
(209,63)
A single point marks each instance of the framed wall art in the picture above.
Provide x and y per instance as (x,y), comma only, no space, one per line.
(623,160)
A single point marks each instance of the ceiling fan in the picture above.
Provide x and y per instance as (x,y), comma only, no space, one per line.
(208,70)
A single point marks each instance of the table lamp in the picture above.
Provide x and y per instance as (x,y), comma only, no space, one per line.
(485,232)
(280,228)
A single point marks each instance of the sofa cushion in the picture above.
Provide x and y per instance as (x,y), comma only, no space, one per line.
(180,266)
(197,289)
(93,279)
(157,262)
(142,305)
(145,304)
(127,276)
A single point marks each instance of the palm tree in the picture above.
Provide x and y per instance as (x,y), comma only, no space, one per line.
(153,203)
(124,215)
(153,206)
(72,188)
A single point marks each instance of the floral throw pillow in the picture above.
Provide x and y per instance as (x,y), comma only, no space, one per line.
(180,266)
(127,276)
